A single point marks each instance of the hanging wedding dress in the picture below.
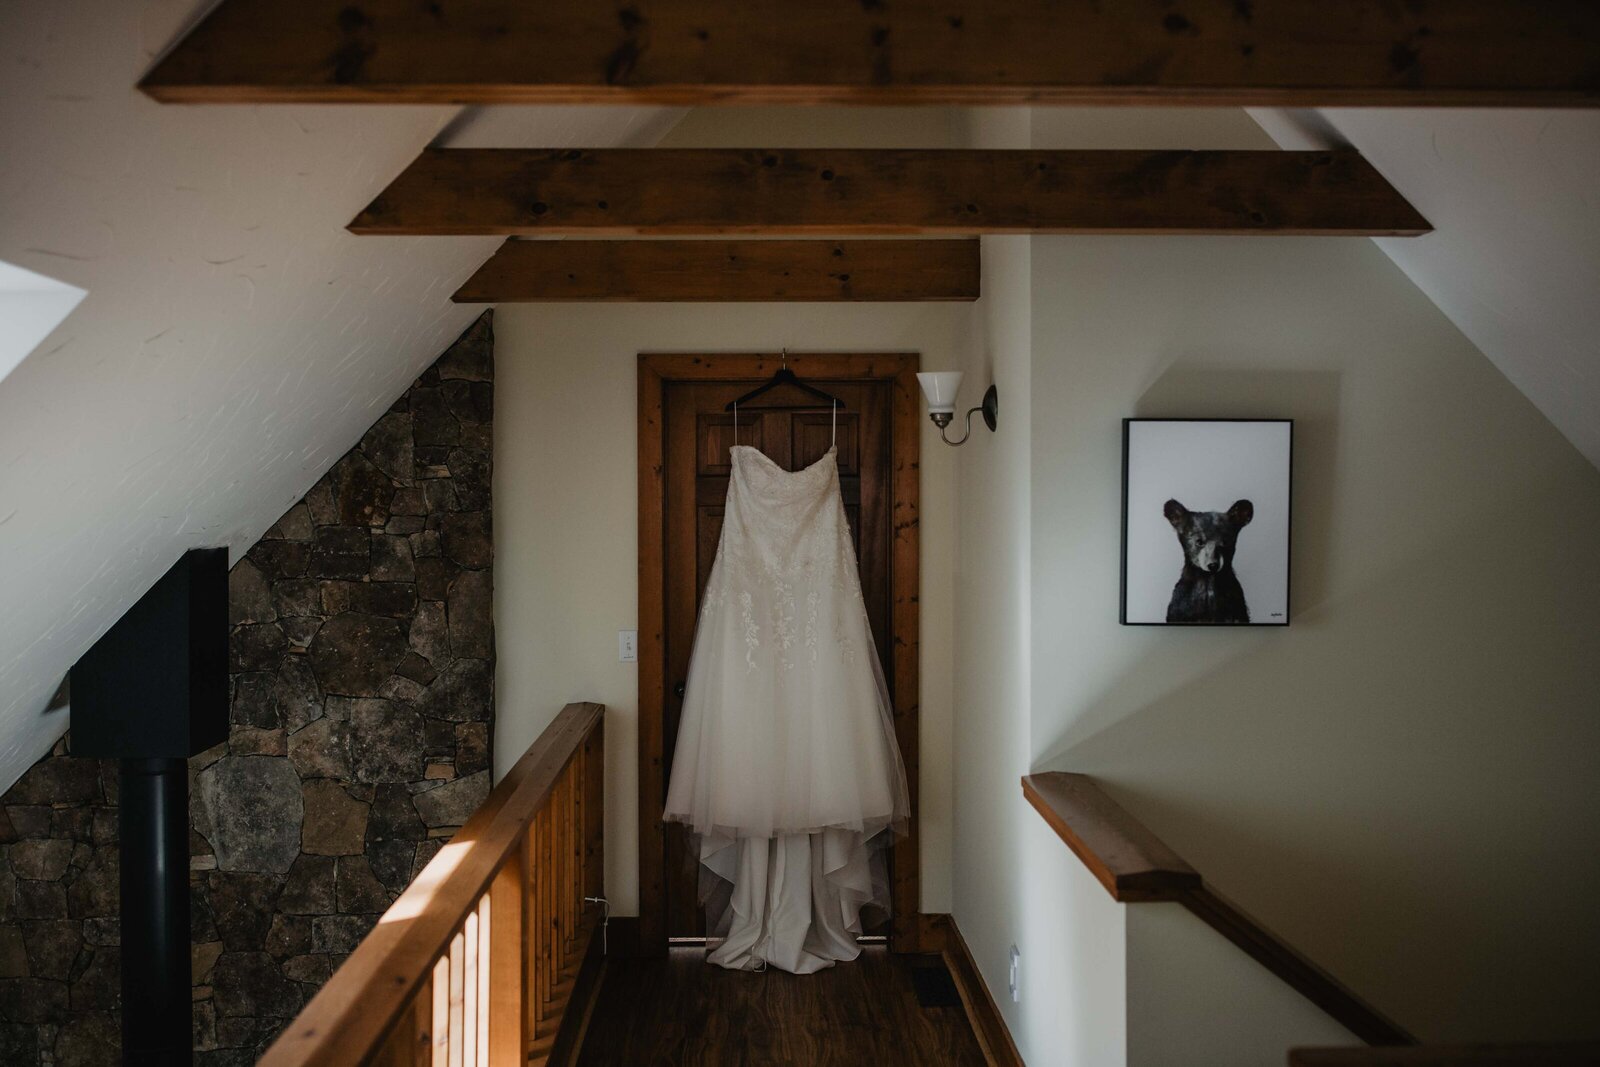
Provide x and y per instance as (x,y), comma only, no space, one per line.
(786,768)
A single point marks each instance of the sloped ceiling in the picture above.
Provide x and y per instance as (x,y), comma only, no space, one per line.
(1514,197)
(234,342)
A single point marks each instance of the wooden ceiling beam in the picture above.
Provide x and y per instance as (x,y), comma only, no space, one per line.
(636,271)
(1287,53)
(885,192)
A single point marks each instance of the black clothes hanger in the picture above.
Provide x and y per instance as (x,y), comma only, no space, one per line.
(785,376)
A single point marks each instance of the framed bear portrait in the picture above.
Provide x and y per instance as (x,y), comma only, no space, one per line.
(1205,521)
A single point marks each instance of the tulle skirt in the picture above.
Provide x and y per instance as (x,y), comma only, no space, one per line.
(786,770)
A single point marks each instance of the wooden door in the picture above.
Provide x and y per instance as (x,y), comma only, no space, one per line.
(684,483)
(787,425)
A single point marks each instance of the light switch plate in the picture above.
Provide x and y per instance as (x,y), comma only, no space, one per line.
(628,646)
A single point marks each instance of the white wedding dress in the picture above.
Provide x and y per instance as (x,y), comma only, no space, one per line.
(786,768)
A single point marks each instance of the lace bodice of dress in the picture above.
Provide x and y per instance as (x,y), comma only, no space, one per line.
(787,562)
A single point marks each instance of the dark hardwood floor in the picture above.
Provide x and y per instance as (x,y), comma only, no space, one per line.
(679,1011)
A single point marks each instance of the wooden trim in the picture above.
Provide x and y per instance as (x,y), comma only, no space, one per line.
(1575,1054)
(356,1011)
(635,271)
(1290,53)
(905,634)
(988,1025)
(652,925)
(1135,866)
(798,192)
(655,369)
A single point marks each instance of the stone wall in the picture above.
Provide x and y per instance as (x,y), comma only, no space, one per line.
(362,672)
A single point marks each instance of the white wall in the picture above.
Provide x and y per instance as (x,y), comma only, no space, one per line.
(1195,999)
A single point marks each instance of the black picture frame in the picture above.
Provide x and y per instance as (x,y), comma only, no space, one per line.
(1274,617)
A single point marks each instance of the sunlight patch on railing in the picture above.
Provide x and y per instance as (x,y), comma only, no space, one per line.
(414,901)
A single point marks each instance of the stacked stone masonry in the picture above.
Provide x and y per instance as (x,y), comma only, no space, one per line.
(361,717)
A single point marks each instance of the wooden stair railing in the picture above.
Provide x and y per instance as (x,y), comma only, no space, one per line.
(1134,865)
(479,960)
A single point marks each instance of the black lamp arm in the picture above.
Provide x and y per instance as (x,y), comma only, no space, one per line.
(991,417)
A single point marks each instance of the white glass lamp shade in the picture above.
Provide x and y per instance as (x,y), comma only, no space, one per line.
(940,388)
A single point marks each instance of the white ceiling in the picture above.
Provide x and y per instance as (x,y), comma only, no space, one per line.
(234,342)
(1514,259)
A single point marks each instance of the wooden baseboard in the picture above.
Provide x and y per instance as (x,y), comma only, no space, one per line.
(987,1022)
(568,1044)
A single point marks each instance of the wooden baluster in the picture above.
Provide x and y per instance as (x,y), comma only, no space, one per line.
(575,863)
(558,918)
(594,773)
(549,906)
(530,848)
(558,924)
(441,1013)
(508,965)
(485,954)
(575,858)
(538,867)
(565,829)
(469,991)
(458,961)
(575,851)
(547,880)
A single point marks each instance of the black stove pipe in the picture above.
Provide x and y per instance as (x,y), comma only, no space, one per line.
(152,692)
(156,994)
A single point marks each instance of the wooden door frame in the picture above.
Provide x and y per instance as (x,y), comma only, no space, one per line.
(899,370)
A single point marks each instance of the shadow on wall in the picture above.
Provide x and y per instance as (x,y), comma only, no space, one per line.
(1386,781)
(1182,655)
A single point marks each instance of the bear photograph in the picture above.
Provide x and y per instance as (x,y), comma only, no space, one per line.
(1205,521)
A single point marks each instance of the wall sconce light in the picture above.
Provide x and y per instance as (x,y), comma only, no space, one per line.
(940,388)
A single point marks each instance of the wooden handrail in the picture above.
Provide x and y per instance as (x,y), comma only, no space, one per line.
(1136,866)
(1580,1054)
(1130,861)
(482,948)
